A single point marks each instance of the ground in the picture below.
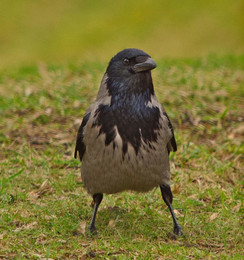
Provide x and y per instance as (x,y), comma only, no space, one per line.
(44,208)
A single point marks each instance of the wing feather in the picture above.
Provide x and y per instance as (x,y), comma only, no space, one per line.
(172,144)
(80,146)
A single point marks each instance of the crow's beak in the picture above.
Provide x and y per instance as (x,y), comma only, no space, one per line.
(148,64)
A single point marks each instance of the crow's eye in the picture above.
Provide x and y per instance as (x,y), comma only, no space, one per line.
(126,61)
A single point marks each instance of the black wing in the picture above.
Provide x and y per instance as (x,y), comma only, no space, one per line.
(80,146)
(172,140)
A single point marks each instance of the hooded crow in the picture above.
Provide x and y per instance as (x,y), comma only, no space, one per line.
(126,136)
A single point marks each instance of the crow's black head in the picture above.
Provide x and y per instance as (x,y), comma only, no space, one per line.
(129,62)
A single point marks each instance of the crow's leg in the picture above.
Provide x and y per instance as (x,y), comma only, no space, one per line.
(97,198)
(168,199)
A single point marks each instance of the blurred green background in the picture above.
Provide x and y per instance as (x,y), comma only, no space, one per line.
(63,30)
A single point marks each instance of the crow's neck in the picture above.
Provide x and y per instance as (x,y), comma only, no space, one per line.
(139,87)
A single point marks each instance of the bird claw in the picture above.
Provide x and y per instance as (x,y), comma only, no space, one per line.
(178,230)
(91,231)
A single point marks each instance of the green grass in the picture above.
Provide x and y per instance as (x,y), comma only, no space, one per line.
(44,208)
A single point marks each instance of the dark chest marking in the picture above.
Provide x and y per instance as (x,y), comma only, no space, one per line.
(132,117)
